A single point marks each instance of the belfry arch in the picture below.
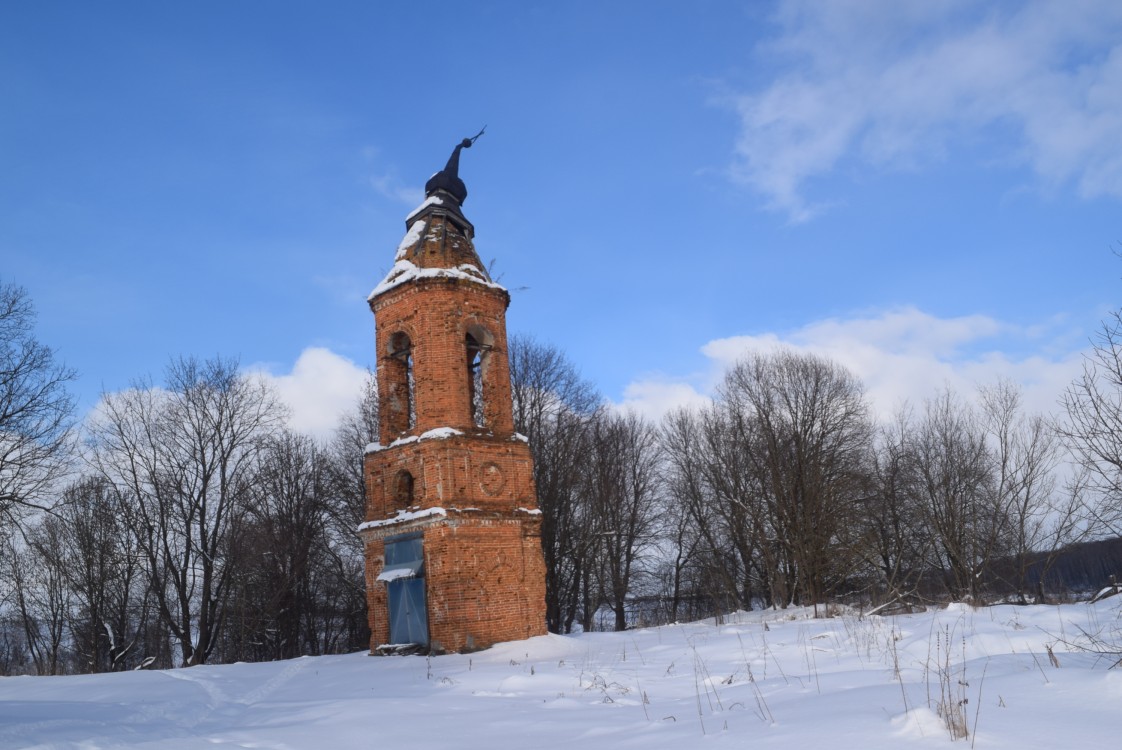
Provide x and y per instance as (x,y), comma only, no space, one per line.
(478,344)
(396,378)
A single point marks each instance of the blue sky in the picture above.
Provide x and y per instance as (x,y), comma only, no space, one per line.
(928,192)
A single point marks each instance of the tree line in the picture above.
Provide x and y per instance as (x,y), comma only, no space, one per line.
(186,523)
(785,490)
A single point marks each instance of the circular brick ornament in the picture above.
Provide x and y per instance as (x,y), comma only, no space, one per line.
(491,479)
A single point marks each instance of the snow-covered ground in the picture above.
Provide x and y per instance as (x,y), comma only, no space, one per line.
(771,679)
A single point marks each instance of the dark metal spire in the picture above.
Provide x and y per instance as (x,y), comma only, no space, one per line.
(448,179)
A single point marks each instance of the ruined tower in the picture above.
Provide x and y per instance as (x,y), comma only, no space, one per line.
(452,531)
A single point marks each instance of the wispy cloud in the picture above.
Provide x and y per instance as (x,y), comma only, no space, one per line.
(895,85)
(387,183)
(389,186)
(901,355)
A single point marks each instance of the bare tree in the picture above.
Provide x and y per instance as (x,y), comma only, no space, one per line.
(553,408)
(97,557)
(709,472)
(1093,431)
(807,424)
(1026,450)
(294,592)
(775,475)
(276,587)
(183,461)
(958,492)
(623,488)
(357,429)
(14,656)
(347,509)
(897,543)
(35,410)
(968,493)
(41,596)
(683,498)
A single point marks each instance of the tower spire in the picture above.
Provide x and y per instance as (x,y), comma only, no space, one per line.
(438,238)
(448,179)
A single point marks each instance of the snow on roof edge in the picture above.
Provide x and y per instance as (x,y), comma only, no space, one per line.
(432,200)
(436,433)
(403,516)
(404,270)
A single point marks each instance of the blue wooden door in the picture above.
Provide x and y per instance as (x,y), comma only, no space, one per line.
(408,617)
(405,583)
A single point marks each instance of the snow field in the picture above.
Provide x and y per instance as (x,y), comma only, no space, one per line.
(764,679)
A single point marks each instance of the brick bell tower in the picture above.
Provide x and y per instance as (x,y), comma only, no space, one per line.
(452,531)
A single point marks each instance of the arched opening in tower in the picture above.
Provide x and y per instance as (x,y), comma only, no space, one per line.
(477,344)
(476,380)
(401,408)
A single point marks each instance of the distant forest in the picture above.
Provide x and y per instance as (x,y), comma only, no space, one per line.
(1079,569)
(184,523)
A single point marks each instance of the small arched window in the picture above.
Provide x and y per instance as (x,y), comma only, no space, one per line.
(403,490)
(401,409)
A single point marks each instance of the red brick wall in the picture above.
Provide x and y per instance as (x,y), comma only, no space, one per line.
(465,472)
(376,592)
(485,581)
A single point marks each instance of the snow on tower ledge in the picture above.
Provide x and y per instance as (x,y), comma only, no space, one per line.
(439,433)
(404,271)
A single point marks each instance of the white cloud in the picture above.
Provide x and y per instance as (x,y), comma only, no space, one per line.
(900,355)
(893,85)
(320,388)
(653,397)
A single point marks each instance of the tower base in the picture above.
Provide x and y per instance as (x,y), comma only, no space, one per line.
(480,581)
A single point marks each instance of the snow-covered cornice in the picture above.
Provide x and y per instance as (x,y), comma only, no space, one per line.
(404,516)
(404,270)
(432,200)
(438,433)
